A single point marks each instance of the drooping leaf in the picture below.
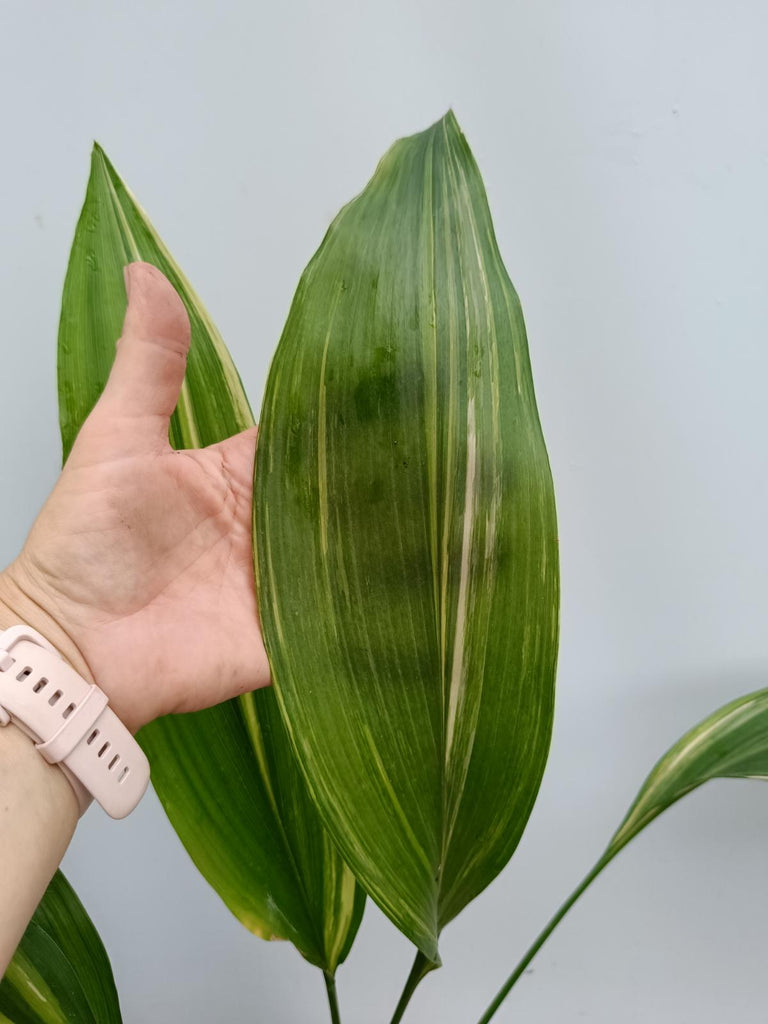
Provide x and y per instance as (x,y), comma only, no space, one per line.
(227,777)
(60,973)
(405,533)
(732,743)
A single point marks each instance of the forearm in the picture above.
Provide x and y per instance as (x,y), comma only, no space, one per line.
(38,815)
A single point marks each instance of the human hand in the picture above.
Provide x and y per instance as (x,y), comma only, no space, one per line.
(139,567)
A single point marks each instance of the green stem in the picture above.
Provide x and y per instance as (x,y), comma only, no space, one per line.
(506,988)
(421,968)
(333,1002)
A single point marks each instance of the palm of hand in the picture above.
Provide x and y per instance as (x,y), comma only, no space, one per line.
(155,580)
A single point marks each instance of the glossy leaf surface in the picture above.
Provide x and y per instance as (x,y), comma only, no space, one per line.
(60,974)
(227,777)
(406,542)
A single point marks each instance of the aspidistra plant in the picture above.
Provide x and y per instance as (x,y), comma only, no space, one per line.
(407,569)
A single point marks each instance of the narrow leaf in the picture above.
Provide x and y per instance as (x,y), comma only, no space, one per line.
(405,534)
(60,973)
(732,743)
(227,777)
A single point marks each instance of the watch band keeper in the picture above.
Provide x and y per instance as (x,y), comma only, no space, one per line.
(75,728)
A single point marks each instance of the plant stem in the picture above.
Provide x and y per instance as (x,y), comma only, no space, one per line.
(421,968)
(333,1002)
(544,935)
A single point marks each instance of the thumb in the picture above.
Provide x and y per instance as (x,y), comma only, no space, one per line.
(151,357)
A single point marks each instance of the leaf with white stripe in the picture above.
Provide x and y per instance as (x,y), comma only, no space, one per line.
(60,973)
(406,544)
(732,743)
(227,777)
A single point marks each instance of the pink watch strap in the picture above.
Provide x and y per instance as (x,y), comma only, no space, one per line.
(71,723)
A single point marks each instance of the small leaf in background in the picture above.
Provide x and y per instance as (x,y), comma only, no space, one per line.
(60,973)
(227,777)
(405,532)
(732,743)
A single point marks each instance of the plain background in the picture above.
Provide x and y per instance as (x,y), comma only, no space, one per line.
(625,150)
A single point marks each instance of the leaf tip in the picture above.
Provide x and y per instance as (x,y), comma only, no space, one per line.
(97,153)
(100,161)
(447,125)
(450,122)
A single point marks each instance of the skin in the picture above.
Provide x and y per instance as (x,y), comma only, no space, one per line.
(138,570)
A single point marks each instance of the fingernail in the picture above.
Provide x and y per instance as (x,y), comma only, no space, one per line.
(127,279)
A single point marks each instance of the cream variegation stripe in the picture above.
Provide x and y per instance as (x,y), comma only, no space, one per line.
(252,724)
(133,249)
(340,887)
(395,803)
(708,744)
(457,682)
(184,414)
(450,454)
(32,987)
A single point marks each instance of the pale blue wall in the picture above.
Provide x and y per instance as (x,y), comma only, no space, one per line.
(625,150)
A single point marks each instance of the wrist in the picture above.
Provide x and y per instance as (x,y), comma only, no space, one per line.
(33,780)
(18,604)
(28,781)
(70,722)
(38,816)
(21,601)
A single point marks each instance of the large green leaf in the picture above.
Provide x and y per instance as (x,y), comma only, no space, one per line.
(732,743)
(60,973)
(227,777)
(405,531)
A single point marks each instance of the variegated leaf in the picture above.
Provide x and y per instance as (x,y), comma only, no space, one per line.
(407,559)
(60,973)
(227,777)
(732,743)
